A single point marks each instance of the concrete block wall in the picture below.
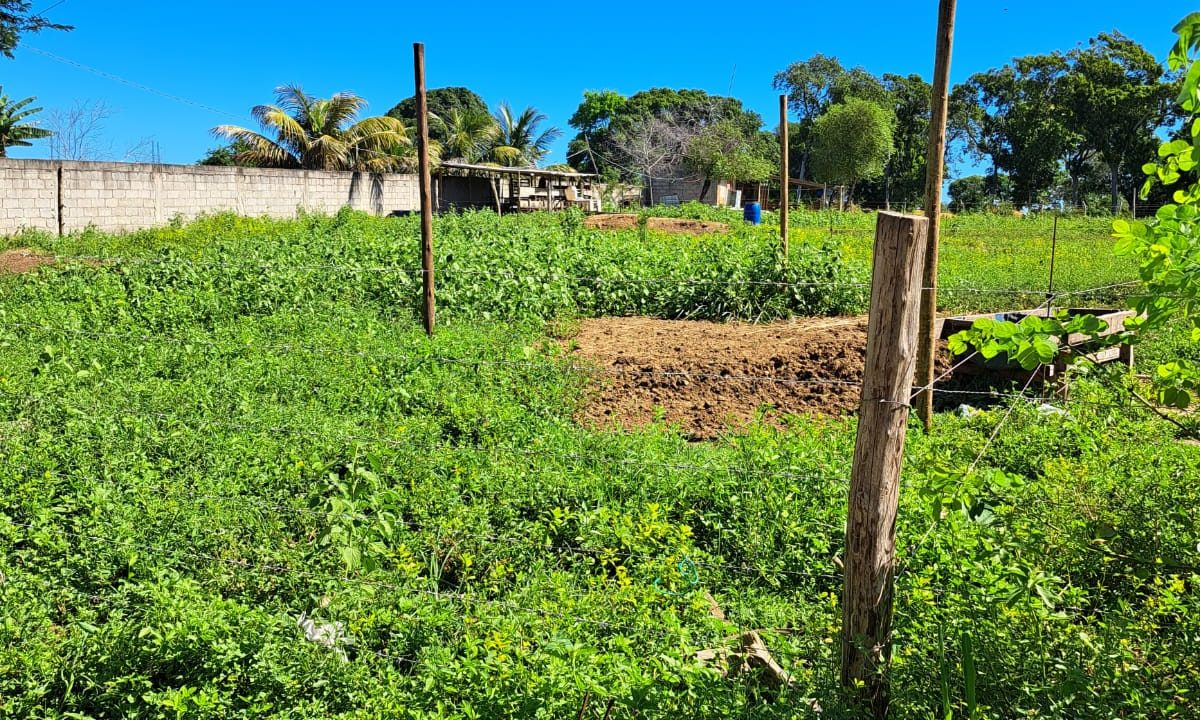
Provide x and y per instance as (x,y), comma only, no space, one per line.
(119,197)
(28,197)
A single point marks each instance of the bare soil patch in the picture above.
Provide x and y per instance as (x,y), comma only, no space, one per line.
(629,221)
(707,377)
(688,227)
(19,260)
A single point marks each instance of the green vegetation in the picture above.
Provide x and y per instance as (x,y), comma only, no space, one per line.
(851,142)
(14,130)
(241,423)
(320,134)
(1166,251)
(664,132)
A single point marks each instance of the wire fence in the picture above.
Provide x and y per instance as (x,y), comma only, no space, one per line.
(675,629)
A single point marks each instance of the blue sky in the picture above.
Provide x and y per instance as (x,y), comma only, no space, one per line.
(227,56)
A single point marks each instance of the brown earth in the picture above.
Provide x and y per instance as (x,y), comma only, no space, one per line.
(19,260)
(629,221)
(707,377)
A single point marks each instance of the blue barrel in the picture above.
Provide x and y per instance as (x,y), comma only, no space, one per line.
(752,213)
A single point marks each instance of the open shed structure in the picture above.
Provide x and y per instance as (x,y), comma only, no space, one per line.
(460,185)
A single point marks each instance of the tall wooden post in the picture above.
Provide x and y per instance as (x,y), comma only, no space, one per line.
(426,201)
(878,451)
(784,182)
(934,175)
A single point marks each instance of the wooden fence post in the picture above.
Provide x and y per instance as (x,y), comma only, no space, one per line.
(426,201)
(878,451)
(784,184)
(934,176)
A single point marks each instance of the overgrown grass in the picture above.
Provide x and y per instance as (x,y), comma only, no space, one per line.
(231,428)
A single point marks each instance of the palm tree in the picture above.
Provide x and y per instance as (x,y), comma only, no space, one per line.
(322,134)
(13,132)
(469,133)
(519,142)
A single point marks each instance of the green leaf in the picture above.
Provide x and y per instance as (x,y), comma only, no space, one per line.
(1045,348)
(1003,330)
(957,343)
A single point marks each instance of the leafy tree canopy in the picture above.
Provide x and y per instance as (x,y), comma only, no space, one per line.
(608,124)
(852,141)
(441,101)
(321,134)
(16,19)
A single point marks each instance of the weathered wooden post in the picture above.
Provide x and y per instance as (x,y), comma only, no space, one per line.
(878,452)
(934,175)
(784,183)
(426,201)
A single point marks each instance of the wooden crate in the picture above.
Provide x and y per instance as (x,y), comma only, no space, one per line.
(1080,342)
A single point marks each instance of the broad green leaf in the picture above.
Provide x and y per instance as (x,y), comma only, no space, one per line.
(1173,147)
(1003,329)
(1045,348)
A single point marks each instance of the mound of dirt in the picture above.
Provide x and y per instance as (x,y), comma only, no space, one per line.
(19,260)
(707,376)
(689,227)
(628,221)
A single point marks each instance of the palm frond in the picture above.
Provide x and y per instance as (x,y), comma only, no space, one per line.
(259,150)
(288,131)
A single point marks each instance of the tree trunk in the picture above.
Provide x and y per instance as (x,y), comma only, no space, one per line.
(704,188)
(887,186)
(1113,179)
(495,186)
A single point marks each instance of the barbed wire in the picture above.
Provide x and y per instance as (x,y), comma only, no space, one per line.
(987,444)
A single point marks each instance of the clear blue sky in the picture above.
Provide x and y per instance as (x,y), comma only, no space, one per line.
(229,56)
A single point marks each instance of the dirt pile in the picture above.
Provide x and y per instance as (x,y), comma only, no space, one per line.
(708,376)
(628,221)
(19,260)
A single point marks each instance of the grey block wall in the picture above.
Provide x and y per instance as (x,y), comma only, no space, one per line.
(28,196)
(118,197)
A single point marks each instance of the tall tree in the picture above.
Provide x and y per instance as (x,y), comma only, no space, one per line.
(1118,99)
(1017,116)
(14,130)
(466,133)
(441,102)
(851,142)
(725,151)
(15,19)
(652,146)
(614,129)
(810,86)
(322,134)
(903,178)
(592,119)
(519,142)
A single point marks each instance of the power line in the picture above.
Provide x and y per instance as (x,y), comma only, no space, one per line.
(124,81)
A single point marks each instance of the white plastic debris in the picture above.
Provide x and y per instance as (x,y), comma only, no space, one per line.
(967,411)
(1046,409)
(331,635)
